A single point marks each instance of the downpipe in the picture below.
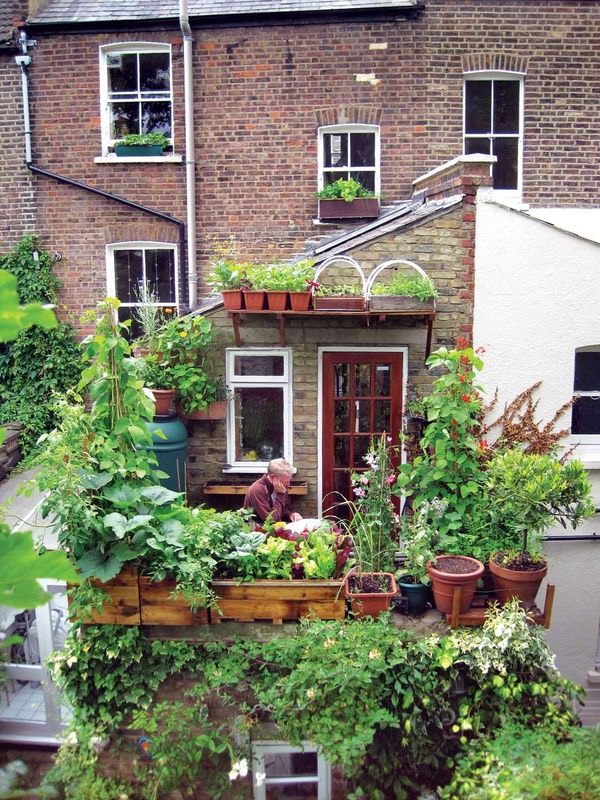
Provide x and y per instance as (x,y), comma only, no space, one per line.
(190,157)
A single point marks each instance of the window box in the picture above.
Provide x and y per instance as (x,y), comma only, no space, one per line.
(138,150)
(235,488)
(359,208)
(212,412)
(384,302)
(278,600)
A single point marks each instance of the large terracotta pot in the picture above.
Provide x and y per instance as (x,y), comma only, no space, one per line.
(163,399)
(276,300)
(443,583)
(524,584)
(300,301)
(232,299)
(371,604)
(254,300)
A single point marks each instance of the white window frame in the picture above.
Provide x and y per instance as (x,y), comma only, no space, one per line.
(350,128)
(252,381)
(111,282)
(499,75)
(585,438)
(262,748)
(127,48)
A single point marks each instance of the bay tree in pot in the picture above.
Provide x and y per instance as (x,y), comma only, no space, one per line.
(527,494)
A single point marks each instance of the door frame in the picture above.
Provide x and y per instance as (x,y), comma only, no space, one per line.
(349,349)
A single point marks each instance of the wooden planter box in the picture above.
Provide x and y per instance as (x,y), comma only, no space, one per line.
(158,607)
(339,303)
(214,411)
(122,600)
(10,452)
(384,302)
(278,600)
(359,208)
(231,487)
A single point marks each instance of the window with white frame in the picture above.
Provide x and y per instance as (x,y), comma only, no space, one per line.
(260,411)
(349,151)
(493,124)
(585,414)
(294,773)
(136,90)
(133,266)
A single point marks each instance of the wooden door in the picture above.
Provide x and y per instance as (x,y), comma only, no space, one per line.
(362,396)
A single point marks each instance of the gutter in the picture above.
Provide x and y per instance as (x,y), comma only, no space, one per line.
(23,61)
(190,160)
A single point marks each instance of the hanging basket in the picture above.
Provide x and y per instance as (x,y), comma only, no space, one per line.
(396,302)
(342,302)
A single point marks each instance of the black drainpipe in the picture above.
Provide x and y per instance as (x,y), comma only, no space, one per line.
(138,207)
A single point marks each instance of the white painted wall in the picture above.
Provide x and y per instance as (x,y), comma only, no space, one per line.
(537,298)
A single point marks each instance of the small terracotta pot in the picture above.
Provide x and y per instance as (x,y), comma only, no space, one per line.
(443,583)
(276,300)
(233,299)
(370,604)
(163,399)
(254,300)
(300,301)
(509,583)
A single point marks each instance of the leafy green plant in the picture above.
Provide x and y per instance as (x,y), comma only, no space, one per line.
(420,540)
(407,286)
(144,139)
(317,553)
(281,276)
(345,189)
(275,557)
(227,274)
(339,290)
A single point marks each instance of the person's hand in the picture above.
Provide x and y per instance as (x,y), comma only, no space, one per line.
(279,486)
(295,516)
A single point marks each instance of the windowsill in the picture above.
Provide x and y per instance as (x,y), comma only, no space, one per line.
(586,452)
(111,158)
(249,469)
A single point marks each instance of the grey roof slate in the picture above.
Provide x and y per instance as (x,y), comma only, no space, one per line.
(6,21)
(81,11)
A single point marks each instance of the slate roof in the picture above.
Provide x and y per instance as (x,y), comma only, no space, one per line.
(6,22)
(93,11)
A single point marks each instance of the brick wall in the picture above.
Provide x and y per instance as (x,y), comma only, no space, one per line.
(260,94)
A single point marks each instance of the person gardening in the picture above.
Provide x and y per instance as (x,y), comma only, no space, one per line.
(269,494)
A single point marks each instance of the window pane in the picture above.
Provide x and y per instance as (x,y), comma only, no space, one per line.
(477,145)
(363,379)
(22,701)
(382,416)
(296,791)
(342,417)
(331,177)
(335,146)
(341,451)
(125,118)
(123,76)
(129,274)
(362,149)
(587,372)
(156,118)
(283,765)
(154,72)
(506,170)
(366,179)
(361,447)
(160,273)
(585,416)
(341,381)
(362,419)
(258,424)
(382,379)
(135,329)
(341,484)
(258,365)
(478,107)
(506,106)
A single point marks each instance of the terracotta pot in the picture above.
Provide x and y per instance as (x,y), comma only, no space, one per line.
(370,604)
(233,299)
(276,300)
(300,301)
(509,583)
(163,399)
(254,300)
(212,412)
(443,583)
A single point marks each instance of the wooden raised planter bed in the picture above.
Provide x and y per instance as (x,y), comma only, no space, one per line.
(278,600)
(122,600)
(339,303)
(384,302)
(232,487)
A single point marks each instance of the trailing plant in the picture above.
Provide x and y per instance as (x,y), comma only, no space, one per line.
(344,189)
(144,139)
(407,286)
(42,360)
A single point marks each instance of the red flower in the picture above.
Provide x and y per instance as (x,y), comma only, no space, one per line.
(483,444)
(461,343)
(465,360)
(466,398)
(462,378)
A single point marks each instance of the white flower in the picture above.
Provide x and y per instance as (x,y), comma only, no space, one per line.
(374,654)
(310,693)
(243,768)
(238,769)
(233,774)
(71,739)
(259,778)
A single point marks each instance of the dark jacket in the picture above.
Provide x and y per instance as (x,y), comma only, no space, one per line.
(262,498)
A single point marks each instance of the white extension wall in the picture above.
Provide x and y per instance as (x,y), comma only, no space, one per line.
(537,298)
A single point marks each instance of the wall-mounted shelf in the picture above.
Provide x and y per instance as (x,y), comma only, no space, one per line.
(230,488)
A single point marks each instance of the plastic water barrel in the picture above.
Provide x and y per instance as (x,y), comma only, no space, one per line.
(171,451)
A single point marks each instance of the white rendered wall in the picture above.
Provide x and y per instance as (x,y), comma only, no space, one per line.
(537,298)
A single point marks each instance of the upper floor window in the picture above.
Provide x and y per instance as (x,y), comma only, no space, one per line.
(493,124)
(349,151)
(281,770)
(136,95)
(585,415)
(135,266)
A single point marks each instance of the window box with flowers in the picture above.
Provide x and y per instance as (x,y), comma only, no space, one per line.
(141,145)
(347,199)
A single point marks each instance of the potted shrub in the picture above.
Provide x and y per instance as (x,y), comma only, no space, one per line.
(370,586)
(347,199)
(528,493)
(159,379)
(340,297)
(144,145)
(228,277)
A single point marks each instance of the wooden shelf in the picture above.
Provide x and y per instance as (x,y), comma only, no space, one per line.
(477,613)
(241,488)
(370,317)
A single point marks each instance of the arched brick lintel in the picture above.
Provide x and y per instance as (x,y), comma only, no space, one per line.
(494,62)
(345,115)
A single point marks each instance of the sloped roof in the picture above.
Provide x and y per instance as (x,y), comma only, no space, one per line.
(6,22)
(93,11)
